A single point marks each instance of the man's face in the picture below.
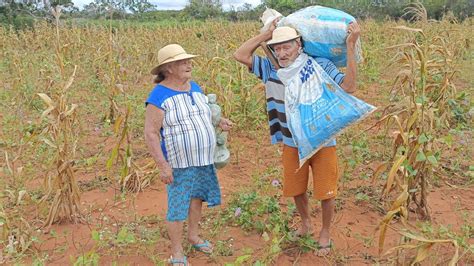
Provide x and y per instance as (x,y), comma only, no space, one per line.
(286,52)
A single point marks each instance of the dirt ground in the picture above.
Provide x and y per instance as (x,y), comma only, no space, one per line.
(354,231)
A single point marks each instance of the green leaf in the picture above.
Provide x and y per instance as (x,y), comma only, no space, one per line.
(276,229)
(242,259)
(275,248)
(265,236)
(423,138)
(37,262)
(112,157)
(432,159)
(421,99)
(420,157)
(125,237)
(410,170)
(448,140)
(95,235)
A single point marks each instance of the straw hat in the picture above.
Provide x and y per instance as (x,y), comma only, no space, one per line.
(283,34)
(170,53)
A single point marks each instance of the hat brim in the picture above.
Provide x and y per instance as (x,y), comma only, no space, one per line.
(272,42)
(155,70)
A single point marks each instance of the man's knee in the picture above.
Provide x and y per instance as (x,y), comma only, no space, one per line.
(301,198)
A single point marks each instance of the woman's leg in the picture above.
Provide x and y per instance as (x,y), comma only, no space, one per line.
(178,200)
(195,213)
(194,218)
(175,231)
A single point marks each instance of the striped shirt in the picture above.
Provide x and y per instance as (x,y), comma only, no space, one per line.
(275,94)
(187,135)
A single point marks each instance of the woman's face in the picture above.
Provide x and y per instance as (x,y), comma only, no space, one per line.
(181,69)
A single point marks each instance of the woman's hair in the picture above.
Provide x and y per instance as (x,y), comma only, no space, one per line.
(160,77)
(161,73)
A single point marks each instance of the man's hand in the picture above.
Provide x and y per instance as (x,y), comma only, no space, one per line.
(246,50)
(354,32)
(274,24)
(350,80)
(225,124)
(166,174)
(272,27)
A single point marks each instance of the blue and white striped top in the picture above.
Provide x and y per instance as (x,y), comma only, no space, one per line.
(187,135)
(275,94)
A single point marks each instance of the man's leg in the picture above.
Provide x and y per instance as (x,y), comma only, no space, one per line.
(327,206)
(325,176)
(301,202)
(295,182)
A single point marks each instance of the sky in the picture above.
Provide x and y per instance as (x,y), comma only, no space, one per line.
(180,4)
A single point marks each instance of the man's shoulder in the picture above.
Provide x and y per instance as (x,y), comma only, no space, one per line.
(321,60)
(263,68)
(264,61)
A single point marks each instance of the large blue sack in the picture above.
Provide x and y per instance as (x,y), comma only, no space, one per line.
(324,32)
(317,109)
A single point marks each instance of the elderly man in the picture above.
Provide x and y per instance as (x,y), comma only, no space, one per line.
(286,45)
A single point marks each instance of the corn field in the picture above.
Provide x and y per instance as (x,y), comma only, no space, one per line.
(72,113)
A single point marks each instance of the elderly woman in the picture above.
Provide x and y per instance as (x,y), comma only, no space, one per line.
(177,113)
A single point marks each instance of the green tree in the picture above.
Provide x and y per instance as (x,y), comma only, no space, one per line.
(284,6)
(202,9)
(140,6)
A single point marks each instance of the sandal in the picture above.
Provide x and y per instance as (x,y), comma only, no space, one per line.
(204,247)
(174,261)
(327,247)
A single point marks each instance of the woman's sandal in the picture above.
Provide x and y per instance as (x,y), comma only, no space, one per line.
(204,247)
(174,261)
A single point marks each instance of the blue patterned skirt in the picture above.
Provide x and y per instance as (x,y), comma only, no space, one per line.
(188,183)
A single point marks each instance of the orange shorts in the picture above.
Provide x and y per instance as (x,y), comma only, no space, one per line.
(323,167)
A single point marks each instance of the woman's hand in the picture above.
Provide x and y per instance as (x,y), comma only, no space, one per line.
(166,174)
(225,124)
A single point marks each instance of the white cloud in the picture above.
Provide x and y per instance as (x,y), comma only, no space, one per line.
(81,3)
(169,4)
(226,4)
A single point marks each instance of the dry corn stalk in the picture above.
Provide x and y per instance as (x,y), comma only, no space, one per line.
(132,177)
(423,247)
(60,134)
(416,12)
(16,233)
(138,178)
(424,84)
